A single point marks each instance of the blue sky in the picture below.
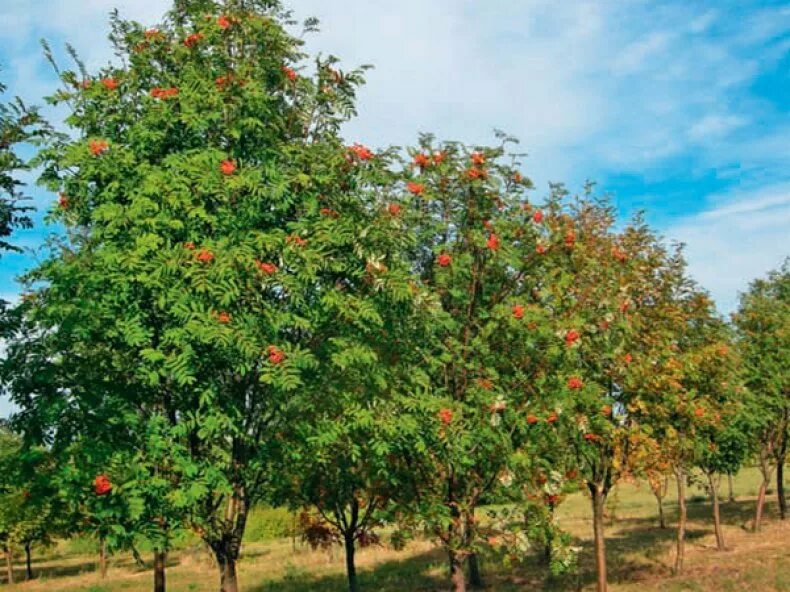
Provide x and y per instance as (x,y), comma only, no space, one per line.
(680,108)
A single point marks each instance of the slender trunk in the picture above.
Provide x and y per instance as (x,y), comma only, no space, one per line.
(160,559)
(457,572)
(714,496)
(598,503)
(9,565)
(28,563)
(758,514)
(780,489)
(351,568)
(731,495)
(681,539)
(549,543)
(227,547)
(780,455)
(475,575)
(662,521)
(103,559)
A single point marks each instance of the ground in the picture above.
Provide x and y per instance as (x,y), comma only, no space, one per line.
(640,556)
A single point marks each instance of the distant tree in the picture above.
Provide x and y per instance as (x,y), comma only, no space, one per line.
(604,298)
(721,437)
(19,124)
(31,502)
(763,325)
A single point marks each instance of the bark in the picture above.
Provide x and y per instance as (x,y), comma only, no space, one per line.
(662,521)
(758,514)
(731,495)
(351,568)
(9,565)
(780,489)
(228,546)
(780,456)
(228,580)
(714,496)
(475,575)
(28,563)
(103,559)
(681,538)
(598,503)
(160,560)
(457,572)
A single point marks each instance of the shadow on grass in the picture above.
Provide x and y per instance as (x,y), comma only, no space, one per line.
(636,551)
(413,574)
(47,568)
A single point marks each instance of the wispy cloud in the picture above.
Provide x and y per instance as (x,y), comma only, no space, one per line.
(741,238)
(674,93)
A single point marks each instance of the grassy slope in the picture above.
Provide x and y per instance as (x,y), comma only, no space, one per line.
(640,556)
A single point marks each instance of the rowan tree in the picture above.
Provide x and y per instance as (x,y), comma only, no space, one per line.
(219,249)
(762,322)
(601,297)
(476,260)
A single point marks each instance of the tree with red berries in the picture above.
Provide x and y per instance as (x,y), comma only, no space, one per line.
(477,263)
(221,251)
(606,290)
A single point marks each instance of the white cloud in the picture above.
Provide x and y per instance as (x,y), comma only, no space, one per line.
(736,240)
(590,88)
(715,126)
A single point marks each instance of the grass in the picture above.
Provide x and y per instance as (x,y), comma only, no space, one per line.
(640,556)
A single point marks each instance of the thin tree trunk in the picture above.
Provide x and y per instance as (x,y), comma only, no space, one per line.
(758,514)
(160,560)
(103,559)
(598,503)
(351,568)
(662,521)
(457,572)
(780,489)
(9,565)
(714,496)
(731,495)
(28,563)
(475,575)
(681,538)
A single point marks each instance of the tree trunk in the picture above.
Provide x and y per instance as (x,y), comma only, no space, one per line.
(598,503)
(28,563)
(351,568)
(758,514)
(160,560)
(714,496)
(103,559)
(9,565)
(681,538)
(227,547)
(780,489)
(475,575)
(228,580)
(662,521)
(457,572)
(731,496)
